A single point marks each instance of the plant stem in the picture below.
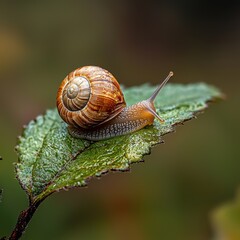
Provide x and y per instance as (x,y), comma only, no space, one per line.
(23,220)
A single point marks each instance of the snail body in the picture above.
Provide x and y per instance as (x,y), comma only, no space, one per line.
(91,102)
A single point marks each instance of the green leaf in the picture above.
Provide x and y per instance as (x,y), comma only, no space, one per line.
(226,220)
(51,160)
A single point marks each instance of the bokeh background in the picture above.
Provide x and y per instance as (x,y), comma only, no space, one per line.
(173,193)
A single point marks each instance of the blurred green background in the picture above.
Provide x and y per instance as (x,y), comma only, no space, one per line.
(172,194)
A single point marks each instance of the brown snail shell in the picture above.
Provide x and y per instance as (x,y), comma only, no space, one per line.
(89,96)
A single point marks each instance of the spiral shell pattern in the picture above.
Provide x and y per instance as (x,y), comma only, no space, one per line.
(89,96)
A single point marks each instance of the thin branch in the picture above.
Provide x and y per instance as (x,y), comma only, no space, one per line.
(23,220)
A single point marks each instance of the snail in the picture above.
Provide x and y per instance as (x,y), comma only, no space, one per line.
(91,102)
